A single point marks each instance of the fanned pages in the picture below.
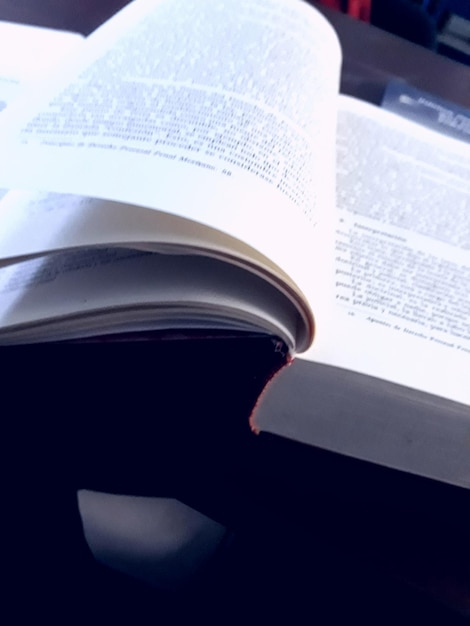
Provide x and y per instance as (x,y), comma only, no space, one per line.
(180,119)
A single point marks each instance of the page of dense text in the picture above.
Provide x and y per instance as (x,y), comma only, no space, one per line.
(402,259)
(221,112)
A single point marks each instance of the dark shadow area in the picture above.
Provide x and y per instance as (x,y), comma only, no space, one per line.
(405,19)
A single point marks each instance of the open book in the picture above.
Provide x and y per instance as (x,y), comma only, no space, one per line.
(180,172)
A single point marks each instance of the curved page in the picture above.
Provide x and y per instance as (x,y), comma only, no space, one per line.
(223,113)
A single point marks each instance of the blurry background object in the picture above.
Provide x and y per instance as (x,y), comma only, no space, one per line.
(440,25)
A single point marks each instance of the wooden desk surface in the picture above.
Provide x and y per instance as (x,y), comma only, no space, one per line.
(372,57)
(82,16)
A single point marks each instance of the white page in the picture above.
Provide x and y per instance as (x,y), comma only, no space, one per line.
(402,308)
(36,223)
(273,66)
(28,54)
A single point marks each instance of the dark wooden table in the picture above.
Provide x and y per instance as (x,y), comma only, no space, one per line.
(372,57)
(81,16)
